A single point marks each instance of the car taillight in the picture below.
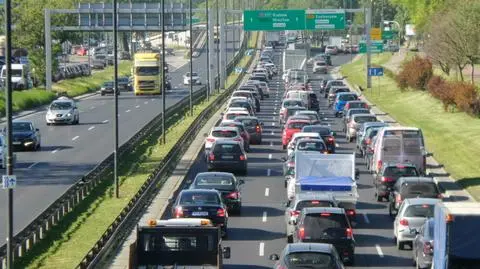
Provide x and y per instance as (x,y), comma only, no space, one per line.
(233,195)
(404,222)
(238,139)
(211,140)
(347,106)
(178,212)
(220,212)
(294,213)
(258,129)
(365,105)
(428,248)
(349,233)
(368,141)
(379,164)
(211,157)
(440,196)
(351,212)
(301,233)
(331,139)
(242,157)
(399,198)
(387,179)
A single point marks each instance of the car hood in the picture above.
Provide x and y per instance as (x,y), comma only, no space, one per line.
(22,134)
(60,111)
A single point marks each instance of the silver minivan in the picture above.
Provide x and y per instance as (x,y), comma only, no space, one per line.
(399,145)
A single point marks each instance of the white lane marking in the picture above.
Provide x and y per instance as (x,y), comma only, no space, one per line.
(137,106)
(271,143)
(269,172)
(365,217)
(273,123)
(272,134)
(379,250)
(261,250)
(32,165)
(153,99)
(105,121)
(55,151)
(303,63)
(267,191)
(91,128)
(269,156)
(273,117)
(336,145)
(128,111)
(92,107)
(75,138)
(274,112)
(283,62)
(146,102)
(264,217)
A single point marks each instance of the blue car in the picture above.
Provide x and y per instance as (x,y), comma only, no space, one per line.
(341,100)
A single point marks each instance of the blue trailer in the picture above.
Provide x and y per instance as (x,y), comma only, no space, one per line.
(456,241)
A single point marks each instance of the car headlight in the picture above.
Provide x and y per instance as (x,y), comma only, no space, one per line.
(69,114)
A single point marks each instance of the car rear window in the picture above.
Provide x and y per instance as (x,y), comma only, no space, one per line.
(363,119)
(420,189)
(356,105)
(291,112)
(310,146)
(357,111)
(292,103)
(316,260)
(227,148)
(400,171)
(341,90)
(192,198)
(249,122)
(232,116)
(240,104)
(224,133)
(238,126)
(337,83)
(325,226)
(313,203)
(412,146)
(348,97)
(310,116)
(297,125)
(320,130)
(419,211)
(215,182)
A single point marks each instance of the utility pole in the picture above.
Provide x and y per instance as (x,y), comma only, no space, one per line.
(8,112)
(115,96)
(164,131)
(368,21)
(208,50)
(191,58)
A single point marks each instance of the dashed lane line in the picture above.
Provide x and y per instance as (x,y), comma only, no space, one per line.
(137,106)
(128,110)
(91,128)
(105,121)
(261,249)
(55,151)
(75,138)
(379,250)
(269,156)
(267,192)
(264,217)
(365,217)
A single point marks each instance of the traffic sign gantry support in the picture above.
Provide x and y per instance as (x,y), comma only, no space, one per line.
(368,25)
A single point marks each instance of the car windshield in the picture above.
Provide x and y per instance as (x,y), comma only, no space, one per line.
(22,126)
(320,130)
(313,203)
(321,64)
(356,105)
(214,182)
(310,146)
(297,125)
(325,226)
(400,171)
(232,116)
(365,119)
(224,134)
(292,103)
(108,84)
(419,211)
(421,189)
(248,122)
(347,97)
(192,198)
(236,125)
(147,70)
(61,106)
(314,260)
(357,111)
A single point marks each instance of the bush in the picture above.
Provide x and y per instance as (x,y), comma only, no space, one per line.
(466,97)
(415,74)
(442,90)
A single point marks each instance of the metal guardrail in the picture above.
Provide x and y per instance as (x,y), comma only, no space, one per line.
(73,196)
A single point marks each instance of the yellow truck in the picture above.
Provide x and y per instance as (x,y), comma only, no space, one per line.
(146,74)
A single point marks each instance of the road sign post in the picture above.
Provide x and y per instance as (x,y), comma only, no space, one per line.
(325,19)
(273,20)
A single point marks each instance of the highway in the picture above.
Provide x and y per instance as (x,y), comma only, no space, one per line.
(69,152)
(260,230)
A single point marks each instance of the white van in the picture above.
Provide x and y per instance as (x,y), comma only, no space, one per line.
(21,79)
(399,145)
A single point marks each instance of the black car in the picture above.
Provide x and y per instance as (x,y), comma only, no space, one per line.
(313,102)
(328,225)
(411,187)
(325,132)
(205,204)
(389,174)
(254,90)
(253,126)
(226,183)
(108,88)
(25,136)
(422,245)
(308,255)
(123,84)
(227,155)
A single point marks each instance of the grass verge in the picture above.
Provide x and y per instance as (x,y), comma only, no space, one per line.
(23,100)
(68,242)
(453,137)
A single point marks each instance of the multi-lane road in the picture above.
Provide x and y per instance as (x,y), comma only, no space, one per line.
(69,152)
(260,230)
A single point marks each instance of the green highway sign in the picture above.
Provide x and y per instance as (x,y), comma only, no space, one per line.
(273,20)
(388,35)
(194,20)
(376,47)
(325,19)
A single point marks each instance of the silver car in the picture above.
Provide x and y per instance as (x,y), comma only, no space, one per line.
(194,79)
(63,110)
(411,216)
(354,123)
(320,67)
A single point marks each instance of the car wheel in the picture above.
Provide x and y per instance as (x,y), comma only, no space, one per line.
(284,146)
(102,94)
(39,146)
(400,245)
(289,239)
(48,124)
(379,198)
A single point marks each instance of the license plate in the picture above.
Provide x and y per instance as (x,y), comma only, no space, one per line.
(201,213)
(17,143)
(227,157)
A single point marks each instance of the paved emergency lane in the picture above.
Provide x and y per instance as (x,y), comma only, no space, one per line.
(69,152)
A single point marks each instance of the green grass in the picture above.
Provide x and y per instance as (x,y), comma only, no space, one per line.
(252,42)
(68,242)
(454,138)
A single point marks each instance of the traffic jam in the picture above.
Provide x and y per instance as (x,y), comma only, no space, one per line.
(321,178)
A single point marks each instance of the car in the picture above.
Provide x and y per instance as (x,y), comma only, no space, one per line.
(355,104)
(232,114)
(227,155)
(291,128)
(221,133)
(255,89)
(308,255)
(313,115)
(332,83)
(301,201)
(365,133)
(201,203)
(254,127)
(242,103)
(290,103)
(108,88)
(422,245)
(355,121)
(326,133)
(349,113)
(341,100)
(332,50)
(411,215)
(320,67)
(194,78)
(292,146)
(326,225)
(241,128)
(254,101)
(225,183)
(332,95)
(411,187)
(289,112)
(388,175)
(62,110)
(123,84)
(25,136)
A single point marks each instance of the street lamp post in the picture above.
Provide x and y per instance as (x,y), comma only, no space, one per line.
(164,131)
(191,59)
(115,96)
(208,49)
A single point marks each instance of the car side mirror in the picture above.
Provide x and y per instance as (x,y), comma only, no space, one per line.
(226,252)
(170,200)
(334,133)
(241,181)
(429,154)
(357,173)
(274,257)
(189,181)
(38,130)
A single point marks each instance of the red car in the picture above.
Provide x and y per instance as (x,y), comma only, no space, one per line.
(291,127)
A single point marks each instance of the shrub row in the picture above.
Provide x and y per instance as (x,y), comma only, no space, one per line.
(415,74)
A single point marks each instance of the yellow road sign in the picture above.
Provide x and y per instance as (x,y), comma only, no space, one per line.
(376,34)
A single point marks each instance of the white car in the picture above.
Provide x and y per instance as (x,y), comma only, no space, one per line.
(298,136)
(63,110)
(222,133)
(332,50)
(194,78)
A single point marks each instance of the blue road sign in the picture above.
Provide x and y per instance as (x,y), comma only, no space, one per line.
(238,70)
(24,60)
(375,71)
(9,182)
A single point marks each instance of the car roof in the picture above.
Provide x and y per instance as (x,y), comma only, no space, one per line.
(374,124)
(419,201)
(333,210)
(304,134)
(310,140)
(399,128)
(358,109)
(309,247)
(385,164)
(215,174)
(224,128)
(356,101)
(308,112)
(226,142)
(300,117)
(346,93)
(247,117)
(292,99)
(231,122)
(199,191)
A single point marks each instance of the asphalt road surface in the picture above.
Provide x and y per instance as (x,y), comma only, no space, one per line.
(69,152)
(260,230)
